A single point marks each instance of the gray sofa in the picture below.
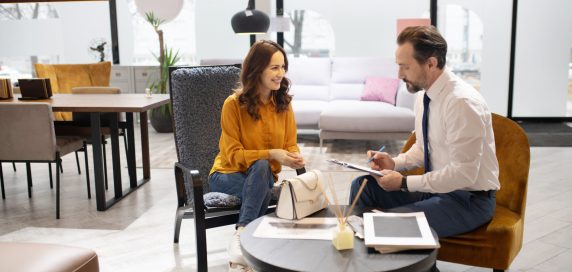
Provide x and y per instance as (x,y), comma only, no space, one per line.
(327,98)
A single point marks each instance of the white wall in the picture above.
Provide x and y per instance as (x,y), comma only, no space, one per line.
(543,42)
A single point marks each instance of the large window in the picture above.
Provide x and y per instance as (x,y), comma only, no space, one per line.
(478,35)
(310,35)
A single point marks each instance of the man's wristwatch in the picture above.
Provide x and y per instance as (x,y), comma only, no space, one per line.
(403,187)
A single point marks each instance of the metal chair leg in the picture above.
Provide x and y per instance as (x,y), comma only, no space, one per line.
(77,162)
(87,170)
(61,168)
(51,179)
(104,163)
(2,182)
(14,166)
(29,175)
(58,164)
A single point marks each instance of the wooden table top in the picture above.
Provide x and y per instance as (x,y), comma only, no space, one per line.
(100,102)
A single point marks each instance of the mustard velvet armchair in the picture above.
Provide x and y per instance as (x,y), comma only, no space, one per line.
(64,77)
(496,244)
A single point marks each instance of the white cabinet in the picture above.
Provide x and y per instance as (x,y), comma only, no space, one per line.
(133,79)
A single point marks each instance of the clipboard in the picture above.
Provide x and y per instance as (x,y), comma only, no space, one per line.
(356,167)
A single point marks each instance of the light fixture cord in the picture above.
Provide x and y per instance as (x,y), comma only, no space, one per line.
(251,5)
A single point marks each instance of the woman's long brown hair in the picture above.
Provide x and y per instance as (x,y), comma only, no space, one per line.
(253,66)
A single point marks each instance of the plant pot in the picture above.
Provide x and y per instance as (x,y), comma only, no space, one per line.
(161,120)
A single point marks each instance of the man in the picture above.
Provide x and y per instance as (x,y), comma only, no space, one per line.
(455,144)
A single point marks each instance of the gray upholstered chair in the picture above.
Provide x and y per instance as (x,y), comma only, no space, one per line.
(197,95)
(27,135)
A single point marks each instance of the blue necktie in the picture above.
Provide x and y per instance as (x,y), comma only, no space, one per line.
(424,125)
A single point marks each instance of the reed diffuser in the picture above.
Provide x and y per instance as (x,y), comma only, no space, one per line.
(343,236)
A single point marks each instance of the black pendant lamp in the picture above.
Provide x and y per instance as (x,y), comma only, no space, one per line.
(250,21)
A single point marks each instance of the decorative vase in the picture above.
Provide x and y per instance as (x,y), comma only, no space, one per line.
(161,120)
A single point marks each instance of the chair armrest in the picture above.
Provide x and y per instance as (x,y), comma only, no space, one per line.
(196,179)
(95,90)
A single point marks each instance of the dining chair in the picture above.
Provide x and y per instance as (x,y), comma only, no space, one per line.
(28,135)
(197,96)
(64,77)
(495,244)
(91,78)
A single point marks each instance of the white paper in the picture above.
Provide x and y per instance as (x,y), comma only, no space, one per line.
(356,167)
(310,228)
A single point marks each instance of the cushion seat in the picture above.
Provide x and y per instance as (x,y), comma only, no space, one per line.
(307,112)
(24,257)
(365,116)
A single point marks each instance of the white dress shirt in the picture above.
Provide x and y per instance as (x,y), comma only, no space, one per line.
(461,140)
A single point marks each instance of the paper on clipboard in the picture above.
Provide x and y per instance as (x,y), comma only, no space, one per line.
(356,167)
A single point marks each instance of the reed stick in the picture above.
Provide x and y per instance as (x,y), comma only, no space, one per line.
(337,209)
(345,219)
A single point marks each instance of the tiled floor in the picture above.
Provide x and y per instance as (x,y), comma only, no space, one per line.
(136,234)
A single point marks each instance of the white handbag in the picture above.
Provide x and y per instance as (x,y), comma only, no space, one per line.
(301,196)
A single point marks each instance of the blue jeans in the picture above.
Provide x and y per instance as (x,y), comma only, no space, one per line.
(448,214)
(252,187)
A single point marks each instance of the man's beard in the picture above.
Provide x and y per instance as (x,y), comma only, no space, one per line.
(411,88)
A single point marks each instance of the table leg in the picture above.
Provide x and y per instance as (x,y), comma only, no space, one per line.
(131,150)
(145,145)
(114,126)
(97,161)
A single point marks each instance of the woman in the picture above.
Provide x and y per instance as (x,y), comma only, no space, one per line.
(258,137)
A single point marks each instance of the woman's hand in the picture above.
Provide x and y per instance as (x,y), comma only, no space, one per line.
(292,160)
(381,160)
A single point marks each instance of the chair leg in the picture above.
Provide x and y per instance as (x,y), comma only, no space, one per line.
(321,144)
(51,179)
(61,168)
(2,182)
(87,170)
(77,162)
(178,220)
(58,164)
(201,240)
(14,166)
(29,175)
(104,163)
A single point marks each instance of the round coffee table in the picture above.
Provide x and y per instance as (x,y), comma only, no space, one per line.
(264,254)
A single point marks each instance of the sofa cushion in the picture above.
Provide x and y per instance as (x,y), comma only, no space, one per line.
(355,70)
(310,92)
(404,98)
(309,71)
(343,91)
(378,88)
(366,116)
(307,112)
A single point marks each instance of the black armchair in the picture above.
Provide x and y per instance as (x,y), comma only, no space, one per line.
(197,96)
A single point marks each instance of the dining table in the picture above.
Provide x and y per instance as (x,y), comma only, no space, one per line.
(114,104)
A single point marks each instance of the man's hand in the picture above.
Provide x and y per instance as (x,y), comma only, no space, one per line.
(286,158)
(381,160)
(391,181)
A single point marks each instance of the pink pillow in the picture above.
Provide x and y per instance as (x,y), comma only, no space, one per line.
(379,88)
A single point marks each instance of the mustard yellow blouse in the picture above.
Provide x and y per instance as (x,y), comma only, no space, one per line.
(244,140)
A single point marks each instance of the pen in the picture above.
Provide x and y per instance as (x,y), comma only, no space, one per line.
(380,149)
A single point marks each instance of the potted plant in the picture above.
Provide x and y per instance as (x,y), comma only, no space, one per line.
(161,117)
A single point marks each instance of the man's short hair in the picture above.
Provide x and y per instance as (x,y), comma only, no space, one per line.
(427,42)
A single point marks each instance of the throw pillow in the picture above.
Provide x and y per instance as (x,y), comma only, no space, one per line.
(378,88)
(220,200)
